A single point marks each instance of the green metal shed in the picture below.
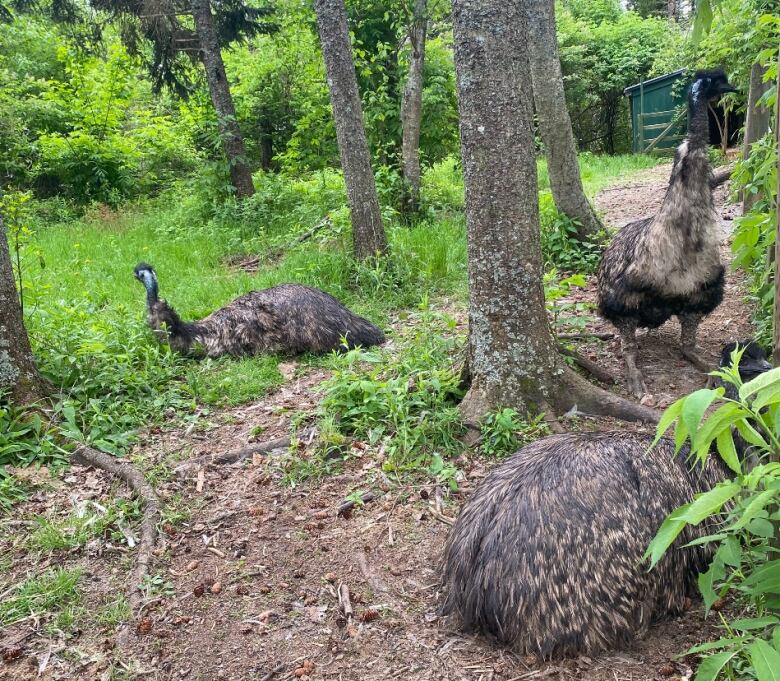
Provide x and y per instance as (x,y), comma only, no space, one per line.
(658,117)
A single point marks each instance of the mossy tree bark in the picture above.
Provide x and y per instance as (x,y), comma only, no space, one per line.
(368,232)
(554,121)
(513,359)
(18,372)
(411,107)
(219,89)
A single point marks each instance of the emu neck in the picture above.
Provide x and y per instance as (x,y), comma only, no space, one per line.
(698,117)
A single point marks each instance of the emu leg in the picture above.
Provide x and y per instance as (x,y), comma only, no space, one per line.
(634,379)
(689,325)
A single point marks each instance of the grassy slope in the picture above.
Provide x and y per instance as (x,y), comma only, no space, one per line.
(85,311)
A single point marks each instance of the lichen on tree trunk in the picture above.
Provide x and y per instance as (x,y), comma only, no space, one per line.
(18,373)
(513,359)
(219,89)
(411,108)
(554,121)
(368,232)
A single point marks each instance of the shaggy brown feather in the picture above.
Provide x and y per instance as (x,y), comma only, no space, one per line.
(289,318)
(670,264)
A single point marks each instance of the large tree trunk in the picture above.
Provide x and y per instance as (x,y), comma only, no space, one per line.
(411,107)
(757,122)
(18,372)
(219,89)
(553,117)
(512,354)
(368,232)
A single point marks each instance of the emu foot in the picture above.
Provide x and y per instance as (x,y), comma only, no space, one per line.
(635,382)
(692,356)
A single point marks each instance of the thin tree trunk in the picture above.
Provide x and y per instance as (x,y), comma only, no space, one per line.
(512,353)
(368,233)
(219,89)
(266,143)
(776,332)
(756,123)
(18,372)
(671,9)
(411,107)
(554,121)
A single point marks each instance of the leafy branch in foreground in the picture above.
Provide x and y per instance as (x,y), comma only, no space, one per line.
(746,554)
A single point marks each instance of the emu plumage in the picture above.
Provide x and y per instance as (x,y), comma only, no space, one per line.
(670,264)
(288,319)
(546,554)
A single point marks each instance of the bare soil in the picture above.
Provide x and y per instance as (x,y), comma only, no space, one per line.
(257,566)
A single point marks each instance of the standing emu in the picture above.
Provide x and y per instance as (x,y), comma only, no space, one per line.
(669,264)
(546,554)
(289,318)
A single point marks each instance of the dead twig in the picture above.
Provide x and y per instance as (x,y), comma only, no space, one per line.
(347,506)
(86,456)
(589,365)
(276,670)
(232,457)
(344,602)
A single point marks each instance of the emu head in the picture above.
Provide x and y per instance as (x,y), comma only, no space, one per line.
(753,361)
(710,84)
(148,277)
(166,323)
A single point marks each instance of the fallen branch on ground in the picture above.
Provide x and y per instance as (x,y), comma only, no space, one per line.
(347,506)
(589,365)
(232,457)
(86,456)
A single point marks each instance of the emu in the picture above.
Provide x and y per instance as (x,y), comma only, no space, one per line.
(546,554)
(670,264)
(289,318)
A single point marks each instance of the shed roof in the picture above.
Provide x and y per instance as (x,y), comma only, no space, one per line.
(654,81)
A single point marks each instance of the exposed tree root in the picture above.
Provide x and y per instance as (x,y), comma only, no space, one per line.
(591,367)
(583,335)
(86,456)
(231,457)
(576,391)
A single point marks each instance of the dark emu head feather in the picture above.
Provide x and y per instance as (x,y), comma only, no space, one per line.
(546,554)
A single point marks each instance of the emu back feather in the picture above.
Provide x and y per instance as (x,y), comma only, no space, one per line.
(290,319)
(546,554)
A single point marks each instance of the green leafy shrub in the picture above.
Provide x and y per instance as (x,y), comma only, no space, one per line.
(560,247)
(504,432)
(746,562)
(754,232)
(404,400)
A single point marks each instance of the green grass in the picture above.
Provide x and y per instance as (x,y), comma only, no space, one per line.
(52,592)
(86,312)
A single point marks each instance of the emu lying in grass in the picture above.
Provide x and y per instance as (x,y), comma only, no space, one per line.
(289,318)
(670,264)
(546,554)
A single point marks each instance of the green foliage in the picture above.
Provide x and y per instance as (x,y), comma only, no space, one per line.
(403,402)
(47,594)
(560,247)
(754,232)
(603,50)
(745,565)
(89,519)
(504,432)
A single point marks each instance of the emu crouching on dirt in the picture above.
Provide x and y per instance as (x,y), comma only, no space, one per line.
(669,264)
(546,554)
(288,319)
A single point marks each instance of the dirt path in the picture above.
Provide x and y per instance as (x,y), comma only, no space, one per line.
(255,566)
